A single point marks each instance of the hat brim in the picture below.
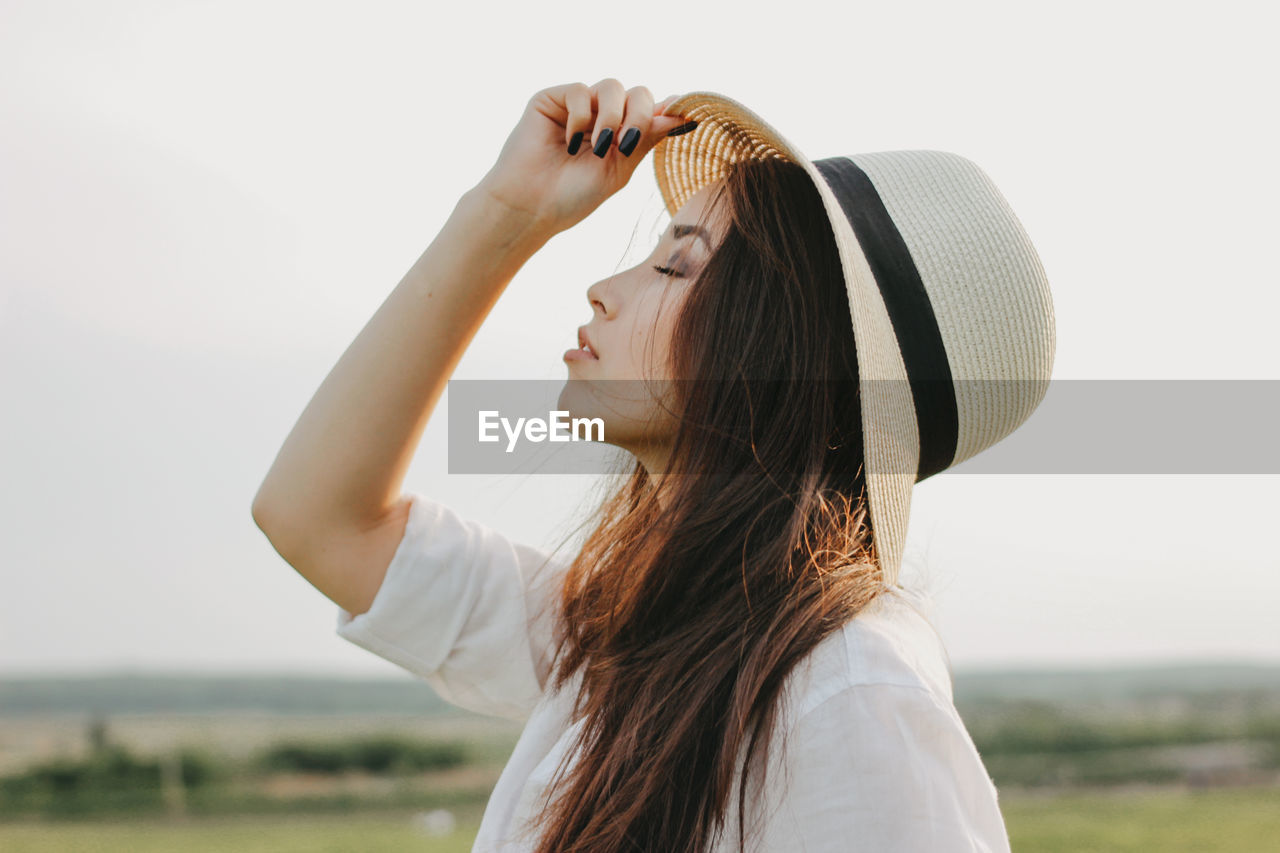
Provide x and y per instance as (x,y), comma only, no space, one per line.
(728,133)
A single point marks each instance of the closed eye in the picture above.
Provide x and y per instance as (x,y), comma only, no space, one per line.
(667,271)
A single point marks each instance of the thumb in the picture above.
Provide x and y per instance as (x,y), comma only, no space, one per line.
(660,128)
(661,107)
(662,125)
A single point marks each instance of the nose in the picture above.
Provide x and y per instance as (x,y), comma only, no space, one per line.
(596,294)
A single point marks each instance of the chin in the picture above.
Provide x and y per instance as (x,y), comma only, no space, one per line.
(575,398)
(615,403)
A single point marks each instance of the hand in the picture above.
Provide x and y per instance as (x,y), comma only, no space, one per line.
(537,176)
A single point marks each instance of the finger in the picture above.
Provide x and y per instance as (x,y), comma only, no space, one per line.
(659,128)
(636,119)
(550,101)
(610,100)
(577,100)
(673,124)
(661,106)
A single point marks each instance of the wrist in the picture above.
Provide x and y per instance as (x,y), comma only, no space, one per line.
(482,240)
(522,226)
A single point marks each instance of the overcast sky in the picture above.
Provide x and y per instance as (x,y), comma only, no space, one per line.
(201,204)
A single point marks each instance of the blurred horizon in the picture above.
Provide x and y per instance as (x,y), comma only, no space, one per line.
(268,671)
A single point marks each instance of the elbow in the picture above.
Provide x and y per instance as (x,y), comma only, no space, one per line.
(264,509)
(258,509)
(268,518)
(261,514)
(285,538)
(265,519)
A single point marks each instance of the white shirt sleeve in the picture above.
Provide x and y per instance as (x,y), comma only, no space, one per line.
(884,767)
(466,609)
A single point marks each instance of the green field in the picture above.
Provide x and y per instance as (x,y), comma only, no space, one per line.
(1222,821)
(1239,821)
(1168,759)
(289,834)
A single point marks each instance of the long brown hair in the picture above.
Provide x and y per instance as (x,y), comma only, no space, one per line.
(684,617)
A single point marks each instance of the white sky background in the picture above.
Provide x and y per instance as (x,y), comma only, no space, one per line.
(201,204)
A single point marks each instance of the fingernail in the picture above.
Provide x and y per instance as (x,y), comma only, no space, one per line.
(575,142)
(602,144)
(629,140)
(684,128)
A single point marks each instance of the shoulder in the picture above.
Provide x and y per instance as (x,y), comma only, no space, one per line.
(892,643)
(870,746)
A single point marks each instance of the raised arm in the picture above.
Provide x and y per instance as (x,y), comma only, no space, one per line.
(332,503)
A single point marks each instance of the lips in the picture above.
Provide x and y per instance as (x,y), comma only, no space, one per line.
(584,343)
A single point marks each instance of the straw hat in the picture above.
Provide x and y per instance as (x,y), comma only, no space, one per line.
(943,283)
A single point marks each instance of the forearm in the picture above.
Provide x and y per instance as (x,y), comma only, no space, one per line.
(345,460)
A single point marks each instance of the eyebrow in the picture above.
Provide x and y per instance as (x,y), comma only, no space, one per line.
(681,231)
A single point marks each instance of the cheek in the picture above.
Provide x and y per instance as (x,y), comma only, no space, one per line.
(656,341)
(642,354)
(654,319)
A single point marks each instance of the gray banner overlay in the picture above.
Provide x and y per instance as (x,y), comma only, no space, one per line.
(1082,426)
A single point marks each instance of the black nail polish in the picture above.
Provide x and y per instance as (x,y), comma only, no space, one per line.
(629,141)
(602,144)
(684,128)
(575,142)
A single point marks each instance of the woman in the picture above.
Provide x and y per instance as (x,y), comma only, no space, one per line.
(729,662)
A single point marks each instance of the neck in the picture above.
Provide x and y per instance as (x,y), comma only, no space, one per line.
(654,459)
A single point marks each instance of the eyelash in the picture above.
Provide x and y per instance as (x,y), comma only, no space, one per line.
(667,271)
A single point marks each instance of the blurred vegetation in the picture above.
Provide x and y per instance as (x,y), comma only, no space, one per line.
(1035,744)
(1027,746)
(1236,821)
(389,754)
(113,779)
(1190,729)
(110,779)
(314,833)
(1031,727)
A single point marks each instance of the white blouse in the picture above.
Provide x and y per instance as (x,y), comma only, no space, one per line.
(873,754)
